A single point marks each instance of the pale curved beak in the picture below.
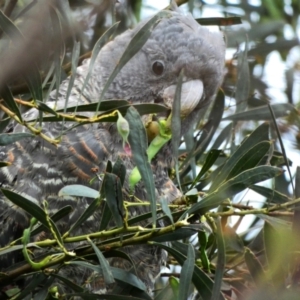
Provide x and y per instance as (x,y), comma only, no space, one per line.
(191,94)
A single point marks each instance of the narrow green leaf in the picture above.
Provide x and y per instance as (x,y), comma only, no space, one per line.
(263,113)
(119,170)
(106,217)
(119,274)
(166,209)
(250,159)
(114,197)
(178,234)
(78,190)
(99,44)
(9,99)
(9,138)
(35,281)
(202,282)
(90,210)
(220,267)
(45,108)
(30,207)
(243,81)
(68,282)
(258,135)
(232,187)
(255,268)
(219,21)
(88,296)
(174,284)
(271,194)
(4,164)
(75,58)
(223,136)
(187,274)
(107,274)
(176,124)
(210,160)
(138,143)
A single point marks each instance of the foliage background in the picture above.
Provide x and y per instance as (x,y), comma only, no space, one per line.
(260,261)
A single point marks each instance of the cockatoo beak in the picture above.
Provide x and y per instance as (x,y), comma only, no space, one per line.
(191,94)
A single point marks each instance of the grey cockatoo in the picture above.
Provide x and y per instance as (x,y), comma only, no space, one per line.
(39,170)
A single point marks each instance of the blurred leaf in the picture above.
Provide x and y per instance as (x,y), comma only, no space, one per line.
(255,268)
(99,44)
(243,81)
(75,58)
(186,274)
(221,261)
(174,284)
(263,113)
(9,138)
(271,194)
(68,282)
(219,21)
(35,281)
(166,209)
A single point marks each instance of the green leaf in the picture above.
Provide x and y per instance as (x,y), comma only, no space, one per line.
(99,44)
(78,190)
(119,170)
(114,197)
(107,274)
(176,124)
(68,282)
(271,194)
(258,135)
(263,113)
(90,210)
(178,234)
(202,282)
(221,261)
(232,187)
(255,268)
(138,143)
(35,281)
(210,160)
(88,296)
(166,209)
(9,138)
(243,81)
(119,274)
(250,159)
(9,99)
(174,284)
(187,274)
(30,207)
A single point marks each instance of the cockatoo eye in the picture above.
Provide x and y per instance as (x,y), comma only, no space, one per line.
(158,67)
